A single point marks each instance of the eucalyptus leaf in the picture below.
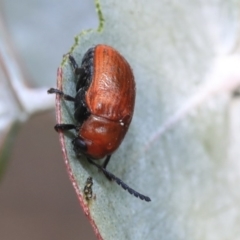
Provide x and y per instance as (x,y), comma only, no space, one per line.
(182,146)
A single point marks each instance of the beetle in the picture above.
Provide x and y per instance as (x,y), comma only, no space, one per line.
(104,106)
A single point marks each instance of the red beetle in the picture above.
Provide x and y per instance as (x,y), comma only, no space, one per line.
(104,105)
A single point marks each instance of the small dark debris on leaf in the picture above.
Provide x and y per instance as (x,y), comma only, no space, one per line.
(88,189)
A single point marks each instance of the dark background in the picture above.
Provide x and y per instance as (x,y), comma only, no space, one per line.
(37,200)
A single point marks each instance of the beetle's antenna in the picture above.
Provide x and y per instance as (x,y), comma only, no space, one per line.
(120,182)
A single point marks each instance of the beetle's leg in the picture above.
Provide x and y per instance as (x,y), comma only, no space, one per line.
(100,168)
(64,127)
(78,70)
(119,181)
(106,161)
(81,110)
(104,165)
(83,76)
(62,94)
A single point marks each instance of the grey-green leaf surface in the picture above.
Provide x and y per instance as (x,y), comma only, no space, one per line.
(182,146)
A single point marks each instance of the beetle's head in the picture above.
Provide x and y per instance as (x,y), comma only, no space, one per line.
(79,146)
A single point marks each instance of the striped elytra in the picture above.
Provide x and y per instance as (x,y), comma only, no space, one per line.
(109,98)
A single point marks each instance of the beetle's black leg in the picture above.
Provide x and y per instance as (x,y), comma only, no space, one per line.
(64,127)
(119,182)
(104,165)
(77,70)
(106,161)
(62,94)
(83,75)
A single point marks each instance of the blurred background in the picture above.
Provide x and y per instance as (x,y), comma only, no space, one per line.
(37,200)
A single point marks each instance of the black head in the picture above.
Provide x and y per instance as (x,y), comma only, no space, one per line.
(79,145)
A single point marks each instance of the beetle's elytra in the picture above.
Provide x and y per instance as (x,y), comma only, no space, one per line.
(104,105)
